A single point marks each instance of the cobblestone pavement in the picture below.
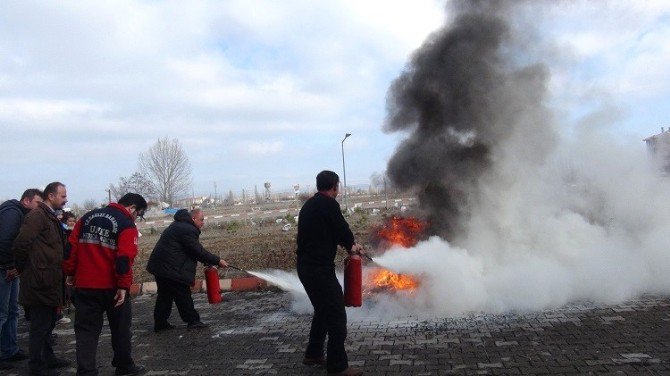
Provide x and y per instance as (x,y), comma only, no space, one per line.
(257,333)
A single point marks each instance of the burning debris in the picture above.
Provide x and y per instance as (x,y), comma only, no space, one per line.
(403,232)
(384,280)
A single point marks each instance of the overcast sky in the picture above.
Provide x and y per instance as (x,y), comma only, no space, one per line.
(262,91)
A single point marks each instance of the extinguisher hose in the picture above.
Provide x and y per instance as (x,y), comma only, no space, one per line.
(240,269)
(234,267)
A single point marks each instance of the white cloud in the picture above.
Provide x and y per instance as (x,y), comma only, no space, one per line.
(223,73)
(262,148)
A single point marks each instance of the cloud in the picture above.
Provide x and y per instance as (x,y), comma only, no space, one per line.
(262,148)
(223,73)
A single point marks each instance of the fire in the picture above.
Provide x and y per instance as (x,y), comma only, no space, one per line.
(385,279)
(405,232)
(402,231)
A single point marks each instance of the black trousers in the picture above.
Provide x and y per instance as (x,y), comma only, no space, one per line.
(330,317)
(172,291)
(42,322)
(90,304)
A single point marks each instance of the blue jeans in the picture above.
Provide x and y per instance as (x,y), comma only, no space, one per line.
(9,314)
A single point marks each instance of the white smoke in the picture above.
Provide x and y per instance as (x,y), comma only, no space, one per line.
(592,223)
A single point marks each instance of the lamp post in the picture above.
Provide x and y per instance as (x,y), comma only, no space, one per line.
(344,173)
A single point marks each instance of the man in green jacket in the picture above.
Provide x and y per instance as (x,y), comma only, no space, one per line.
(38,252)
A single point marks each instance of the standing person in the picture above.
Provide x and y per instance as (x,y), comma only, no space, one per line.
(173,262)
(104,246)
(12,213)
(68,220)
(321,228)
(38,251)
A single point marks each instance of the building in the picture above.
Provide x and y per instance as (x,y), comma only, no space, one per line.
(658,146)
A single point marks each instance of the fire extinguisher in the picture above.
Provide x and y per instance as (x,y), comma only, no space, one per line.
(213,285)
(353,276)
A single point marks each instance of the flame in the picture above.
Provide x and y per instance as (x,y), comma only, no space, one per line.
(382,278)
(402,231)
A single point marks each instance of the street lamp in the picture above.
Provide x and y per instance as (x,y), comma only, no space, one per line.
(344,173)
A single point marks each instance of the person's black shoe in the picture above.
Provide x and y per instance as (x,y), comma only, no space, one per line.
(320,361)
(58,363)
(160,328)
(196,325)
(5,365)
(129,371)
(17,357)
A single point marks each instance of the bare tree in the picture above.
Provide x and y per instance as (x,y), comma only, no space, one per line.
(90,204)
(230,199)
(135,183)
(166,165)
(257,196)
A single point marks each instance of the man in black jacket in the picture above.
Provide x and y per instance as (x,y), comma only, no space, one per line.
(11,217)
(321,228)
(173,262)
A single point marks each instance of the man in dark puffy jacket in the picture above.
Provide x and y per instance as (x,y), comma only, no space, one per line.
(12,213)
(173,263)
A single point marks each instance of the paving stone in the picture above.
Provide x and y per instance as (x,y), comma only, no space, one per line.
(256,332)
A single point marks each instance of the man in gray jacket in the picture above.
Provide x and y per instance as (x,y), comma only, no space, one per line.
(11,217)
(173,263)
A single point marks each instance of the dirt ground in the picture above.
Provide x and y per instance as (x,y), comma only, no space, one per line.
(262,246)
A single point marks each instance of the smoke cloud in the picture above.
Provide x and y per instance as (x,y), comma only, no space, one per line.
(464,97)
(526,215)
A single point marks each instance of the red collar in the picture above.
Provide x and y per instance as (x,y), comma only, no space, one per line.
(121,208)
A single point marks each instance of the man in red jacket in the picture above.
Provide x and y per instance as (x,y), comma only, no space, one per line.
(104,246)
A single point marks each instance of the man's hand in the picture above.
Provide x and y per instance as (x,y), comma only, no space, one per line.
(69,280)
(356,249)
(11,274)
(120,297)
(223,263)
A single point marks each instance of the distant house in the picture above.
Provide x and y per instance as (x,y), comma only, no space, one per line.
(190,202)
(658,146)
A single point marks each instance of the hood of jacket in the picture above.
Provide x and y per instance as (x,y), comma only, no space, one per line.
(15,205)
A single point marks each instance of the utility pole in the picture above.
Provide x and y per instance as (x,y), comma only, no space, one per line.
(344,172)
(109,195)
(386,197)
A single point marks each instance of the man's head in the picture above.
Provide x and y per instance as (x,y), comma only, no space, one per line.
(134,203)
(31,198)
(55,195)
(198,218)
(327,182)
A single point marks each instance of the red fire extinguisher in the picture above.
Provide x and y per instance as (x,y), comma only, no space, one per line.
(213,285)
(353,276)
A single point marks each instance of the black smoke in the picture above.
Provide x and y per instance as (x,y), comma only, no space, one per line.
(462,95)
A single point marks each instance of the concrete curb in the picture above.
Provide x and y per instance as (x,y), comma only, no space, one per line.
(228,284)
